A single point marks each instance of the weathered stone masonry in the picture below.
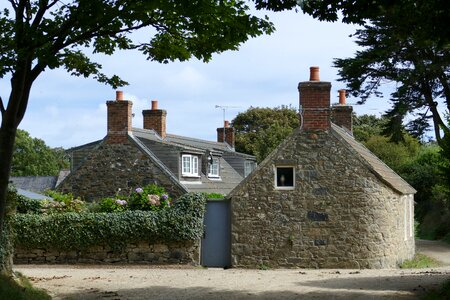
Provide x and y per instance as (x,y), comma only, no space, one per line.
(341,207)
(137,253)
(338,215)
(128,168)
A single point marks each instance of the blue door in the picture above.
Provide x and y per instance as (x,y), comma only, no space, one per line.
(216,242)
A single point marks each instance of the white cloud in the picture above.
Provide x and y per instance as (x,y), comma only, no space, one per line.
(69,111)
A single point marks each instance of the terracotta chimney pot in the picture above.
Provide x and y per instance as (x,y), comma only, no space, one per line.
(342,99)
(314,74)
(226,124)
(119,95)
(154,104)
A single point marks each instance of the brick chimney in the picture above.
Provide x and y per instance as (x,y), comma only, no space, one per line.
(341,114)
(315,102)
(119,119)
(155,119)
(226,134)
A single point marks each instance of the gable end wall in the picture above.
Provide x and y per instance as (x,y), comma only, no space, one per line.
(338,216)
(114,166)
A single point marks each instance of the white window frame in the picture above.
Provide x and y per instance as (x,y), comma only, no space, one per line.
(248,168)
(405,215)
(411,215)
(213,168)
(191,167)
(276,175)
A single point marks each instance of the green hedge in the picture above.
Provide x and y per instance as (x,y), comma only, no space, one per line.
(78,231)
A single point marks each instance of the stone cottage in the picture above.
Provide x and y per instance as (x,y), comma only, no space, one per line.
(131,157)
(321,199)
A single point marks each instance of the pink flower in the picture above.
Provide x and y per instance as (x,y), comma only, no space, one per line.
(153,200)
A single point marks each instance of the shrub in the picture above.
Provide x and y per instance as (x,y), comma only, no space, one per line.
(28,206)
(214,195)
(149,198)
(70,231)
(112,205)
(62,203)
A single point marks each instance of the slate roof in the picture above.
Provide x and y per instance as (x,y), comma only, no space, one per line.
(36,184)
(229,177)
(32,195)
(165,154)
(218,186)
(188,143)
(379,168)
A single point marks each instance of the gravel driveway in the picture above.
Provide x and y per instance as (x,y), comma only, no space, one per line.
(174,282)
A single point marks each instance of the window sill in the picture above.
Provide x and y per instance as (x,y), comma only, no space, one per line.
(214,177)
(190,175)
(285,188)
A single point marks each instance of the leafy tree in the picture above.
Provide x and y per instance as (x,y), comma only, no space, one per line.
(395,155)
(32,157)
(397,47)
(425,174)
(37,35)
(366,126)
(260,130)
(428,16)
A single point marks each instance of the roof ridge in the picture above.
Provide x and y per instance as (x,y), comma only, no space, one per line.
(344,134)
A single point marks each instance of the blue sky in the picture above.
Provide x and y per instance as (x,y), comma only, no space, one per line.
(69,111)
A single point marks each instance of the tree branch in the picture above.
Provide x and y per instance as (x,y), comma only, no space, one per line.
(2,108)
(437,120)
(13,4)
(43,6)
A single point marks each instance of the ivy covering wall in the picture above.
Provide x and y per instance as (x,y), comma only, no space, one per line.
(71,231)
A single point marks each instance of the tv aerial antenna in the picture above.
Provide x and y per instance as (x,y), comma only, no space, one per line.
(224,108)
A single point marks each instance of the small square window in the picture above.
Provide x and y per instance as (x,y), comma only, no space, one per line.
(284,177)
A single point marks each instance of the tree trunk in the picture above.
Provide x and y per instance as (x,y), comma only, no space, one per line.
(11,118)
(7,137)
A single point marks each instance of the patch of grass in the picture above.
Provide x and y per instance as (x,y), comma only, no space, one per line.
(420,261)
(442,293)
(20,288)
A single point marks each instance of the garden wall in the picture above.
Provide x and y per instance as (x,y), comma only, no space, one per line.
(186,252)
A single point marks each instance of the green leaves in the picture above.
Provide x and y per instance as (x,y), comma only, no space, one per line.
(70,231)
(62,35)
(260,130)
(404,44)
(32,157)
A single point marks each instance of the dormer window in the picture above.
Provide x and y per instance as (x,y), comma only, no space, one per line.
(214,168)
(189,165)
(249,166)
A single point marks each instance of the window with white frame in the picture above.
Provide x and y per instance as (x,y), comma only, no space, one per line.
(284,177)
(406,216)
(189,165)
(214,168)
(249,166)
(411,215)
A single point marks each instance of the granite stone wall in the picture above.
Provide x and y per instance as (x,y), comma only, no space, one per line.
(111,167)
(338,215)
(139,253)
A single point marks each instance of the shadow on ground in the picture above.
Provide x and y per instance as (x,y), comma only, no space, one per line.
(386,287)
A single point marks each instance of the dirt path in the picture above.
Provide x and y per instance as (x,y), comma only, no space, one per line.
(93,282)
(436,249)
(171,282)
